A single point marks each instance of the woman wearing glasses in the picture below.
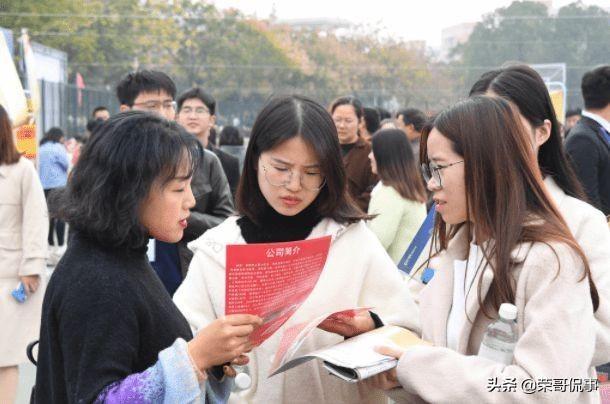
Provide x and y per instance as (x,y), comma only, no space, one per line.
(501,240)
(523,87)
(294,187)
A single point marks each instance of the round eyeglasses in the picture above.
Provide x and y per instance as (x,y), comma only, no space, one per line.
(281,177)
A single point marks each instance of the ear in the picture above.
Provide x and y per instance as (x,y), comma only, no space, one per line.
(124,108)
(362,125)
(213,121)
(542,133)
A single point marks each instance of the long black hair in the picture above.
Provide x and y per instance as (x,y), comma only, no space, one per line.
(396,164)
(116,172)
(523,86)
(283,118)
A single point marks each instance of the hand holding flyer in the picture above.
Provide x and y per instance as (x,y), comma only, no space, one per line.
(294,336)
(272,280)
(352,360)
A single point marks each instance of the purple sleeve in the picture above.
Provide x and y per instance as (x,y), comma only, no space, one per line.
(171,379)
(138,388)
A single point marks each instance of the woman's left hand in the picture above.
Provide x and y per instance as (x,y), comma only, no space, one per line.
(349,326)
(386,380)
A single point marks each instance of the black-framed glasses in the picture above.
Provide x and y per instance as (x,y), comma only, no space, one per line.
(281,177)
(432,171)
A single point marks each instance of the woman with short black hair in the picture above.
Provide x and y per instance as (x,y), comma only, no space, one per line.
(110,332)
(294,187)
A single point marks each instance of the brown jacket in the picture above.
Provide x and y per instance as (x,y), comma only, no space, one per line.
(555,324)
(360,178)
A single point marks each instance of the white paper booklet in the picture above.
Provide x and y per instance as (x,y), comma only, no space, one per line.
(352,360)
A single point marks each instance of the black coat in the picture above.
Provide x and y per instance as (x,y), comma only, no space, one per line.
(213,204)
(230,165)
(589,151)
(105,316)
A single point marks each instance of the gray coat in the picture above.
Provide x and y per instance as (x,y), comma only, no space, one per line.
(213,204)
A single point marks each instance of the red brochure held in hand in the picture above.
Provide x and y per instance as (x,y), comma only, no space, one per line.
(272,280)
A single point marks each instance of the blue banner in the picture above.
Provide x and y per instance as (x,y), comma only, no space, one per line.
(412,253)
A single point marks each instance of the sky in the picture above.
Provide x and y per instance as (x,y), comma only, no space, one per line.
(406,19)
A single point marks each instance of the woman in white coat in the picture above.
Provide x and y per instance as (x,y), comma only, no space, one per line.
(23,250)
(294,187)
(523,87)
(501,240)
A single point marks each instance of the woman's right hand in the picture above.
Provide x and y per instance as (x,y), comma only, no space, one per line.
(30,283)
(223,340)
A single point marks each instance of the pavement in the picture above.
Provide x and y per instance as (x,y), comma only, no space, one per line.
(27,376)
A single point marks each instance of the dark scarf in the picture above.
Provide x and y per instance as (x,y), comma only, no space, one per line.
(275,227)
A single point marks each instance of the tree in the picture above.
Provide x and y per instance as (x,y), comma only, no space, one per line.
(525,32)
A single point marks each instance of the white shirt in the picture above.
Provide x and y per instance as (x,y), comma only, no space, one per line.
(463,278)
(604,123)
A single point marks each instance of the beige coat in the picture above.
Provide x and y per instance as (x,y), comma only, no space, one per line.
(555,324)
(590,229)
(358,273)
(24,225)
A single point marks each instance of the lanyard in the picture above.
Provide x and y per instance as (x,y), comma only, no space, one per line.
(412,253)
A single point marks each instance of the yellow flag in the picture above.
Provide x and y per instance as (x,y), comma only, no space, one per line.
(12,96)
(557,99)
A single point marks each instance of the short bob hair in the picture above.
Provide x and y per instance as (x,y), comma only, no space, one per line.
(116,172)
(283,118)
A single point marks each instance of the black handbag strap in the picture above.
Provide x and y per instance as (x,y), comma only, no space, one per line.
(30,352)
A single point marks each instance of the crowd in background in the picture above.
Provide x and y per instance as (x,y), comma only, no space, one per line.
(159,185)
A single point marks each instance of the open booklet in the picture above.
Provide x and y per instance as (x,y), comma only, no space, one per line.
(352,360)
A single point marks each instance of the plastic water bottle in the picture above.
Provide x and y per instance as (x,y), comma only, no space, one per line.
(243,381)
(501,336)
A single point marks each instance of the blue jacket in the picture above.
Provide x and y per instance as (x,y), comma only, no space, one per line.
(53,165)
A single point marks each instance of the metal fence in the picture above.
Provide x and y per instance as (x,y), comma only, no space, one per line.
(68,107)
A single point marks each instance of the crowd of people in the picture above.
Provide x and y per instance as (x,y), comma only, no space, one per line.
(134,308)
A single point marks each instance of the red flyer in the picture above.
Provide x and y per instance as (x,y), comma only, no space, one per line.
(272,280)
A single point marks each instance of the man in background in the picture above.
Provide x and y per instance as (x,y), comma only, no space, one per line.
(197,114)
(100,112)
(154,91)
(411,121)
(588,144)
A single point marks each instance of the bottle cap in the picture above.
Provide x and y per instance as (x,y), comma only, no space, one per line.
(508,311)
(243,381)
